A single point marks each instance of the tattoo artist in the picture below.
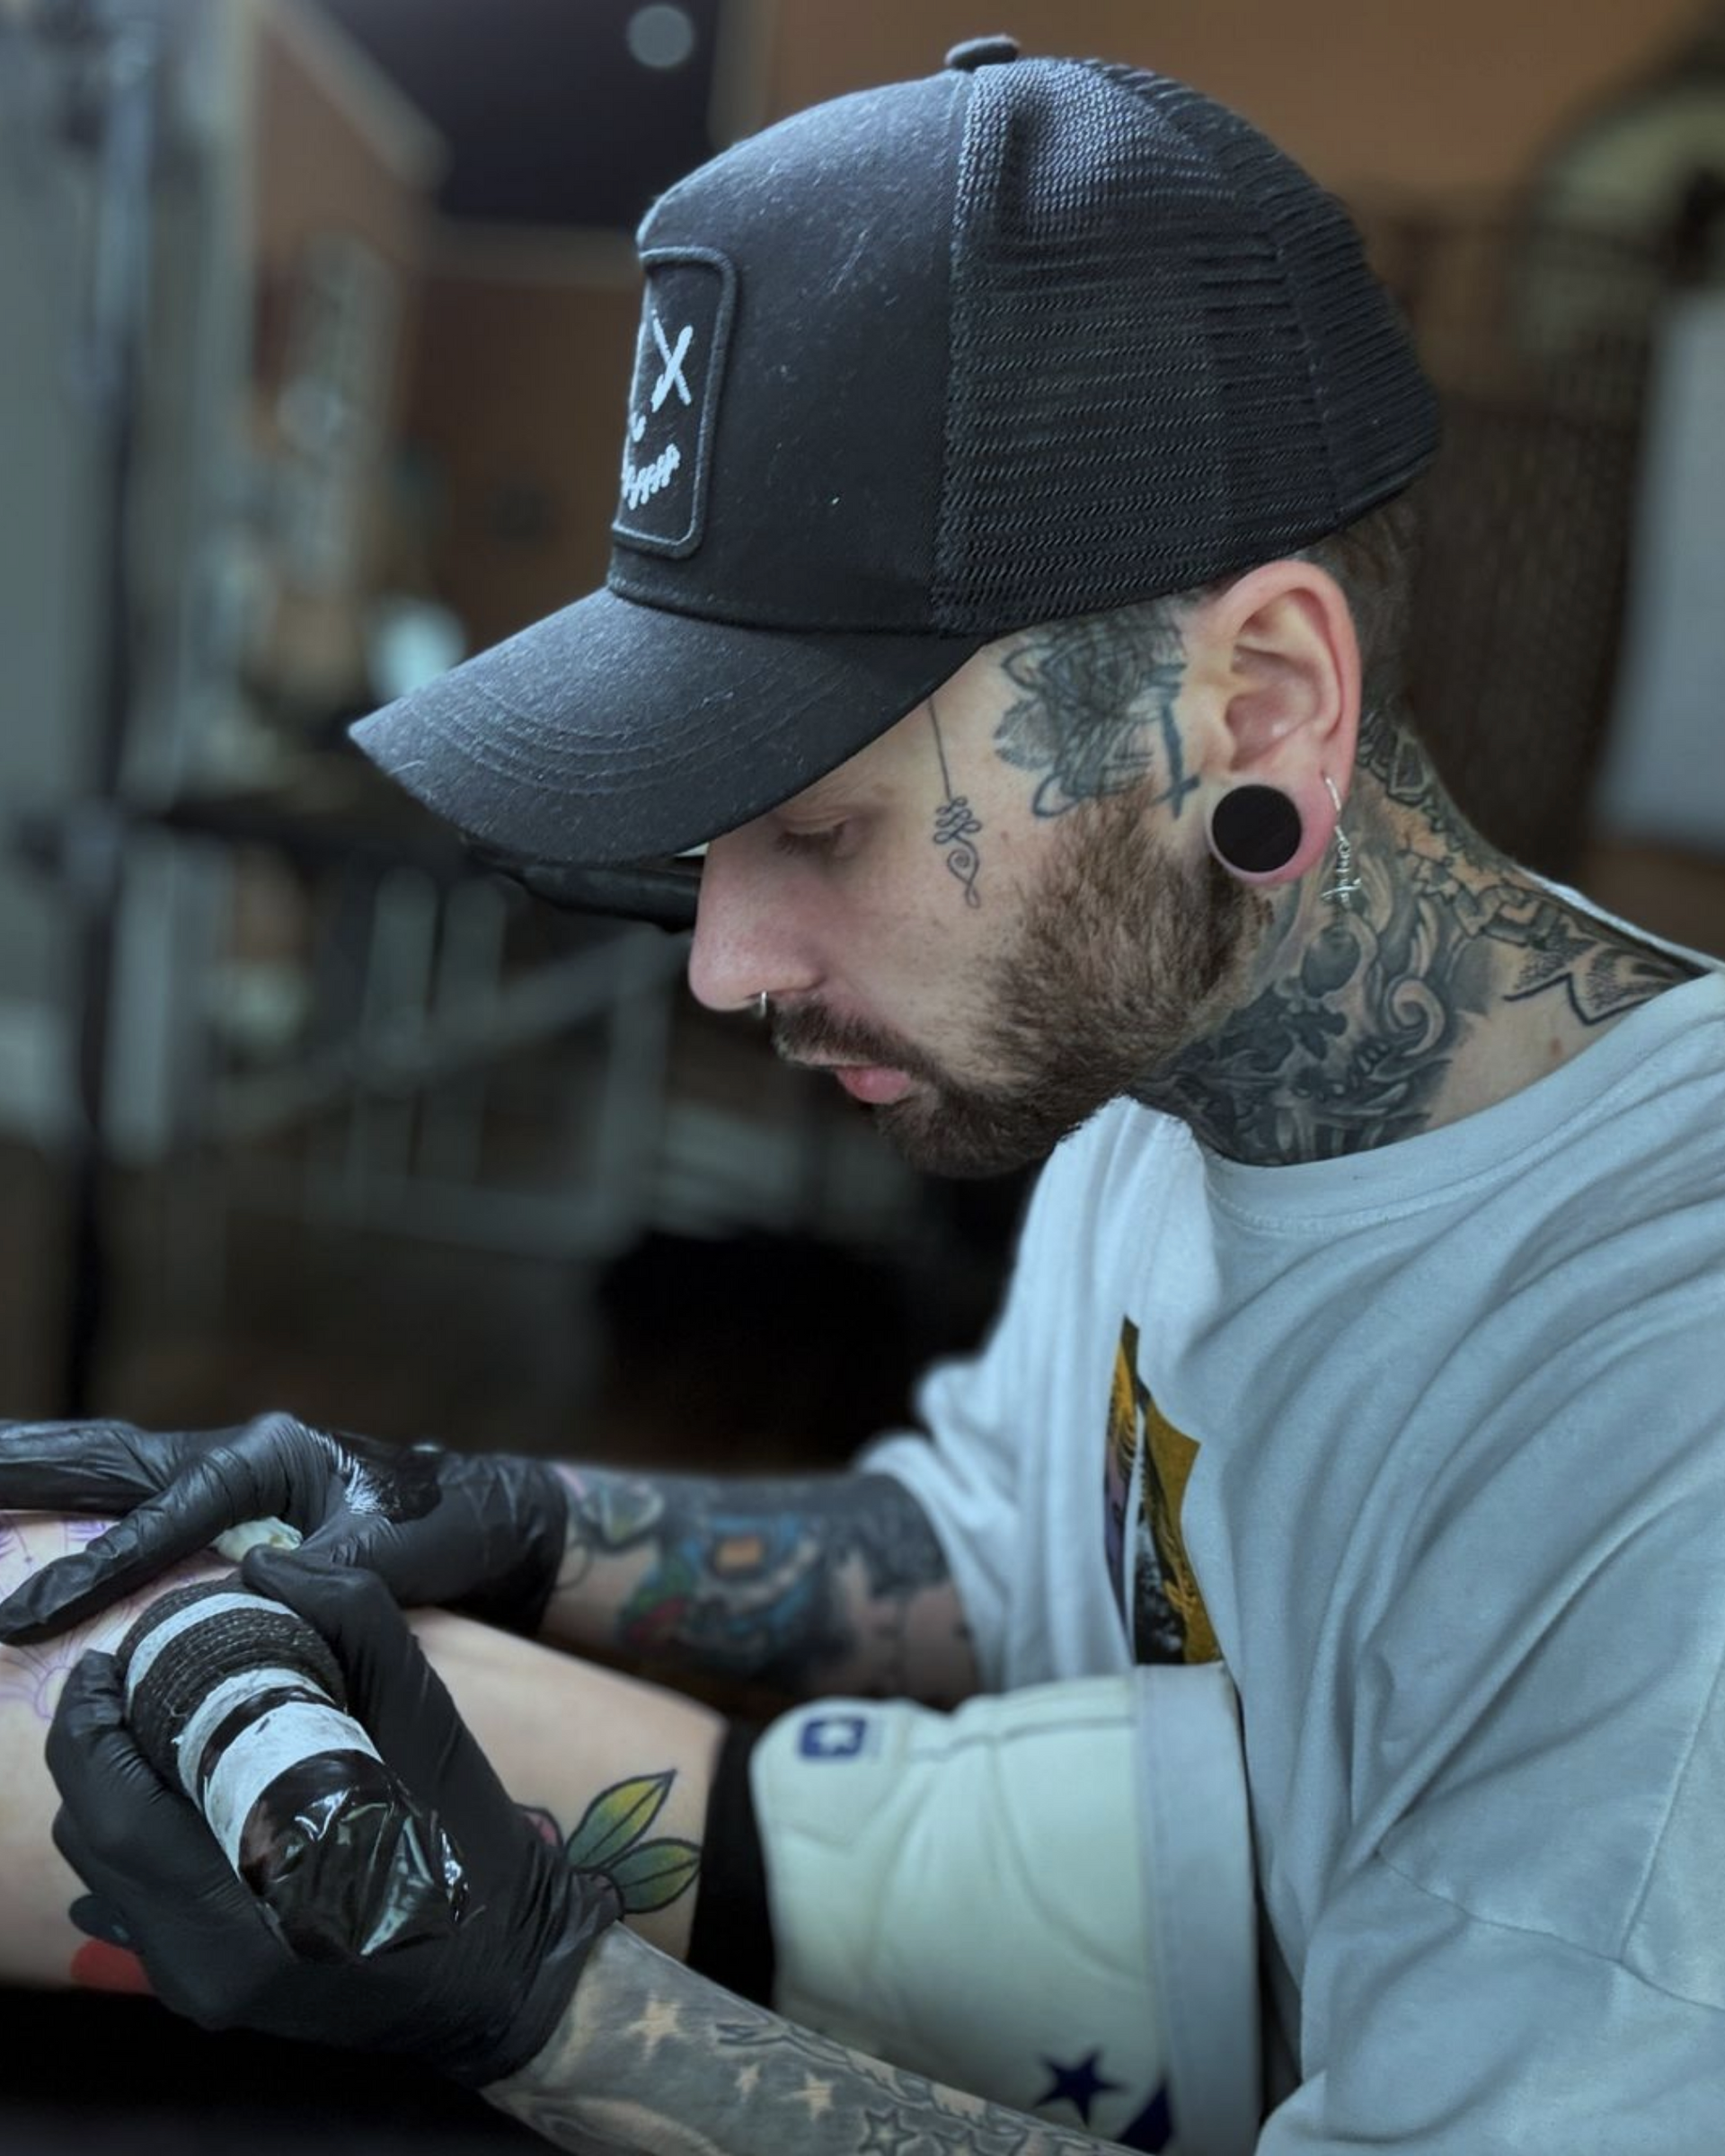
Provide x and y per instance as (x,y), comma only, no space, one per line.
(1010,590)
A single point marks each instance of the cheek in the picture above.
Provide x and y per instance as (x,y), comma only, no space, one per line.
(956,842)
(942,899)
(926,915)
(930,957)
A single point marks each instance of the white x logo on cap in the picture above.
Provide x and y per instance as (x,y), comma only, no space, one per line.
(673,374)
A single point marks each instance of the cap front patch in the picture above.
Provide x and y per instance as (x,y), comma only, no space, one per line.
(679,360)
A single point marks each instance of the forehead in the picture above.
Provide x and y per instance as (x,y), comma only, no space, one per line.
(974,695)
(864,775)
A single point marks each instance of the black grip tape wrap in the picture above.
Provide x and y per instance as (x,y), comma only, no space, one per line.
(188,1667)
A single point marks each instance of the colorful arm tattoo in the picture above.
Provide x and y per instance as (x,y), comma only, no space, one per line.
(611,1838)
(793,1583)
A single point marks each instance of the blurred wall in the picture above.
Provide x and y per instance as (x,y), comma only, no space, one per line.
(338,155)
(268,133)
(50,531)
(525,355)
(524,369)
(1371,95)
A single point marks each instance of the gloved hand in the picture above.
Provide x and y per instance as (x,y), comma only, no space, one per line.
(476,1532)
(478,2003)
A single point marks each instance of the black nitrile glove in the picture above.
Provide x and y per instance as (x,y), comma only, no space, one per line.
(477,1532)
(477,2003)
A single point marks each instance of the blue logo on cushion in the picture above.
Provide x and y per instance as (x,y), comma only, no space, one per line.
(832,1735)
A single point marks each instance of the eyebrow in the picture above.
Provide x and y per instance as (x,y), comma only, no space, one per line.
(831,796)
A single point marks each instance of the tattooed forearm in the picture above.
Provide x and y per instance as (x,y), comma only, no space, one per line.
(1095,711)
(654,2061)
(824,1584)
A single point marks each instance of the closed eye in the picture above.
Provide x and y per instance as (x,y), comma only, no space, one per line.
(809,844)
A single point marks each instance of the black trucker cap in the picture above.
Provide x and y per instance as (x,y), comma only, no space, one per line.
(1025,339)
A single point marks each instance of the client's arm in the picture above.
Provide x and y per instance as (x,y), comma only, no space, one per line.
(561,1734)
(620,2048)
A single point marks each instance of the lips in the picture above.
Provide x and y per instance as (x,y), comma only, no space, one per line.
(877,1084)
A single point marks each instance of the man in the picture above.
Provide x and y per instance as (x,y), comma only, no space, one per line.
(1008,583)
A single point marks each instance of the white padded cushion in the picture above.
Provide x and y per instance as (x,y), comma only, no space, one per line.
(1045,1898)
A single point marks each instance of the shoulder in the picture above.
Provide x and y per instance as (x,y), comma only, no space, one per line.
(1548,1683)
(1123,1145)
(1104,1197)
(1427,2028)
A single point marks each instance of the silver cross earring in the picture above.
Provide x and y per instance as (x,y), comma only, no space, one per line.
(1347,885)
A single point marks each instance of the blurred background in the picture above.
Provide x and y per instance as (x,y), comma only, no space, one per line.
(319,318)
(318,323)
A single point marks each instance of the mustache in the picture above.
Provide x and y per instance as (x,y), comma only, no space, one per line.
(809,1033)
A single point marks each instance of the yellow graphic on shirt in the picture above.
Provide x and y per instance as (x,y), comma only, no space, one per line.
(1169,1621)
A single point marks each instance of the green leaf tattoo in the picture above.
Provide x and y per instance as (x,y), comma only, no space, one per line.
(648,1875)
(652,1876)
(616,1819)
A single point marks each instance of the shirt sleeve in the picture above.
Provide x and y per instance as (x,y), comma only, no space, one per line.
(1439,2034)
(1532,1957)
(1011,1470)
(962,1468)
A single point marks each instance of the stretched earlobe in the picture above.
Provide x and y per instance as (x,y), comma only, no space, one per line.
(1255,830)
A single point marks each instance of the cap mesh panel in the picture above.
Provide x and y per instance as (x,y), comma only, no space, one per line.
(1169,359)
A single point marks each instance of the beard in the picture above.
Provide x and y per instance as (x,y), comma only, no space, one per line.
(1117,956)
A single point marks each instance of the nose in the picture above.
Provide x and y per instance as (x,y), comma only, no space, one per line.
(750,937)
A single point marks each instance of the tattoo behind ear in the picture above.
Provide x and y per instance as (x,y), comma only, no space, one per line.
(955,824)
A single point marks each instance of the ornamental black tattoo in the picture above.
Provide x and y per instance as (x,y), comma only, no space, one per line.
(1095,712)
(651,2057)
(760,1578)
(955,825)
(1350,1044)
(902,2114)
(1598,980)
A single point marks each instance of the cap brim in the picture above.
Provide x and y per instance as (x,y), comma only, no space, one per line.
(611,731)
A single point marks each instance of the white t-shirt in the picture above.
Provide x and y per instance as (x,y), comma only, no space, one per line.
(1428,1445)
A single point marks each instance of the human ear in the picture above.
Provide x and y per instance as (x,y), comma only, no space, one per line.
(1285,666)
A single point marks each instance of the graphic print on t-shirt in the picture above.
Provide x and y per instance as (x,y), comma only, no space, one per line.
(1147,1465)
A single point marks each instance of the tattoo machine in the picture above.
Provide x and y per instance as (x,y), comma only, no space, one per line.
(236,1699)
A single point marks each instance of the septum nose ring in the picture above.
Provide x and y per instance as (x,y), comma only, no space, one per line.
(761,1007)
